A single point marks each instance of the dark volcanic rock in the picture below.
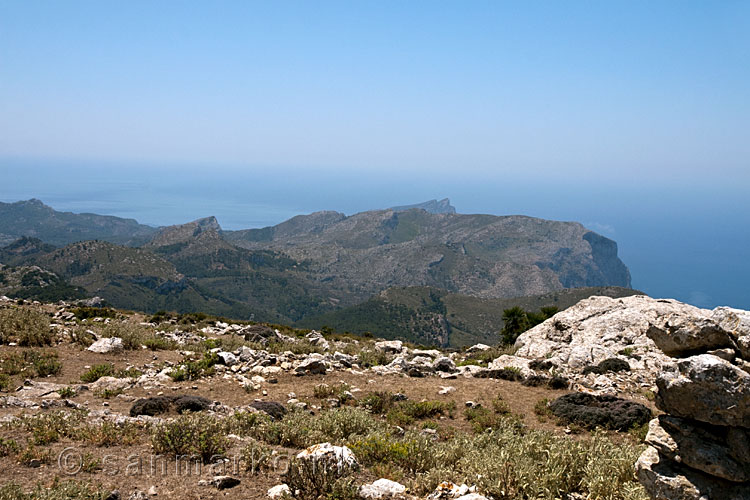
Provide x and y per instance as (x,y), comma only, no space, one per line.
(590,411)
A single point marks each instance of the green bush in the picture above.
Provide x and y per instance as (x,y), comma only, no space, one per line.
(191,435)
(5,382)
(98,371)
(109,434)
(27,327)
(194,369)
(8,447)
(46,428)
(58,490)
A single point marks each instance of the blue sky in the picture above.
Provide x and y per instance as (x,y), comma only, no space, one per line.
(552,87)
(632,117)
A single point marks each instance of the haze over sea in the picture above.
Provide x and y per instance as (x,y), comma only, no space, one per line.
(679,239)
(631,117)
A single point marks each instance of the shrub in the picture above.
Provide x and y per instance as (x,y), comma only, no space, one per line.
(67,392)
(98,371)
(7,447)
(369,358)
(514,463)
(194,369)
(58,490)
(46,364)
(255,457)
(109,434)
(31,455)
(5,382)
(85,312)
(192,435)
(312,480)
(378,403)
(132,335)
(28,327)
(414,453)
(46,428)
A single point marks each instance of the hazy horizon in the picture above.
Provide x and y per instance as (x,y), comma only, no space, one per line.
(629,117)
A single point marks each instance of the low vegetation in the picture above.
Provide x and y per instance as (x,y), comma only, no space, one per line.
(25,326)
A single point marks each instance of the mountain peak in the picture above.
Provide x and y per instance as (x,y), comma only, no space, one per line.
(432,206)
(182,233)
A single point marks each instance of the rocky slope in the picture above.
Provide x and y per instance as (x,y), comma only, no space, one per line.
(432,316)
(479,255)
(35,219)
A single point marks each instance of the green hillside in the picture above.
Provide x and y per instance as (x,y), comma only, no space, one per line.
(435,317)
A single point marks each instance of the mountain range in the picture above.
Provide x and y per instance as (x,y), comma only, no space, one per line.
(319,268)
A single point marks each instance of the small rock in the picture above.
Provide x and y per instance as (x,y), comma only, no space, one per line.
(279,491)
(446,390)
(107,345)
(152,491)
(224,482)
(382,488)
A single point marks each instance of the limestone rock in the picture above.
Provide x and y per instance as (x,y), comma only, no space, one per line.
(107,345)
(111,384)
(702,447)
(314,364)
(390,346)
(316,338)
(227,358)
(444,364)
(337,459)
(224,482)
(279,491)
(706,388)
(664,479)
(382,488)
(507,361)
(736,322)
(599,328)
(448,490)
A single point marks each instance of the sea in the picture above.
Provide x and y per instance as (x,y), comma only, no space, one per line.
(680,239)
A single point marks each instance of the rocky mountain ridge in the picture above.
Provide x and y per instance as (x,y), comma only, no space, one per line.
(315,264)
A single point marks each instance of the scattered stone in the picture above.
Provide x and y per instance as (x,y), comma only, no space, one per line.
(227,358)
(382,488)
(590,411)
(446,390)
(152,491)
(390,346)
(138,495)
(444,364)
(279,491)
(111,384)
(107,345)
(224,482)
(448,490)
(314,364)
(338,458)
(478,348)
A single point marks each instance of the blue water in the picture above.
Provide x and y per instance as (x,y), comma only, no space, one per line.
(680,239)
